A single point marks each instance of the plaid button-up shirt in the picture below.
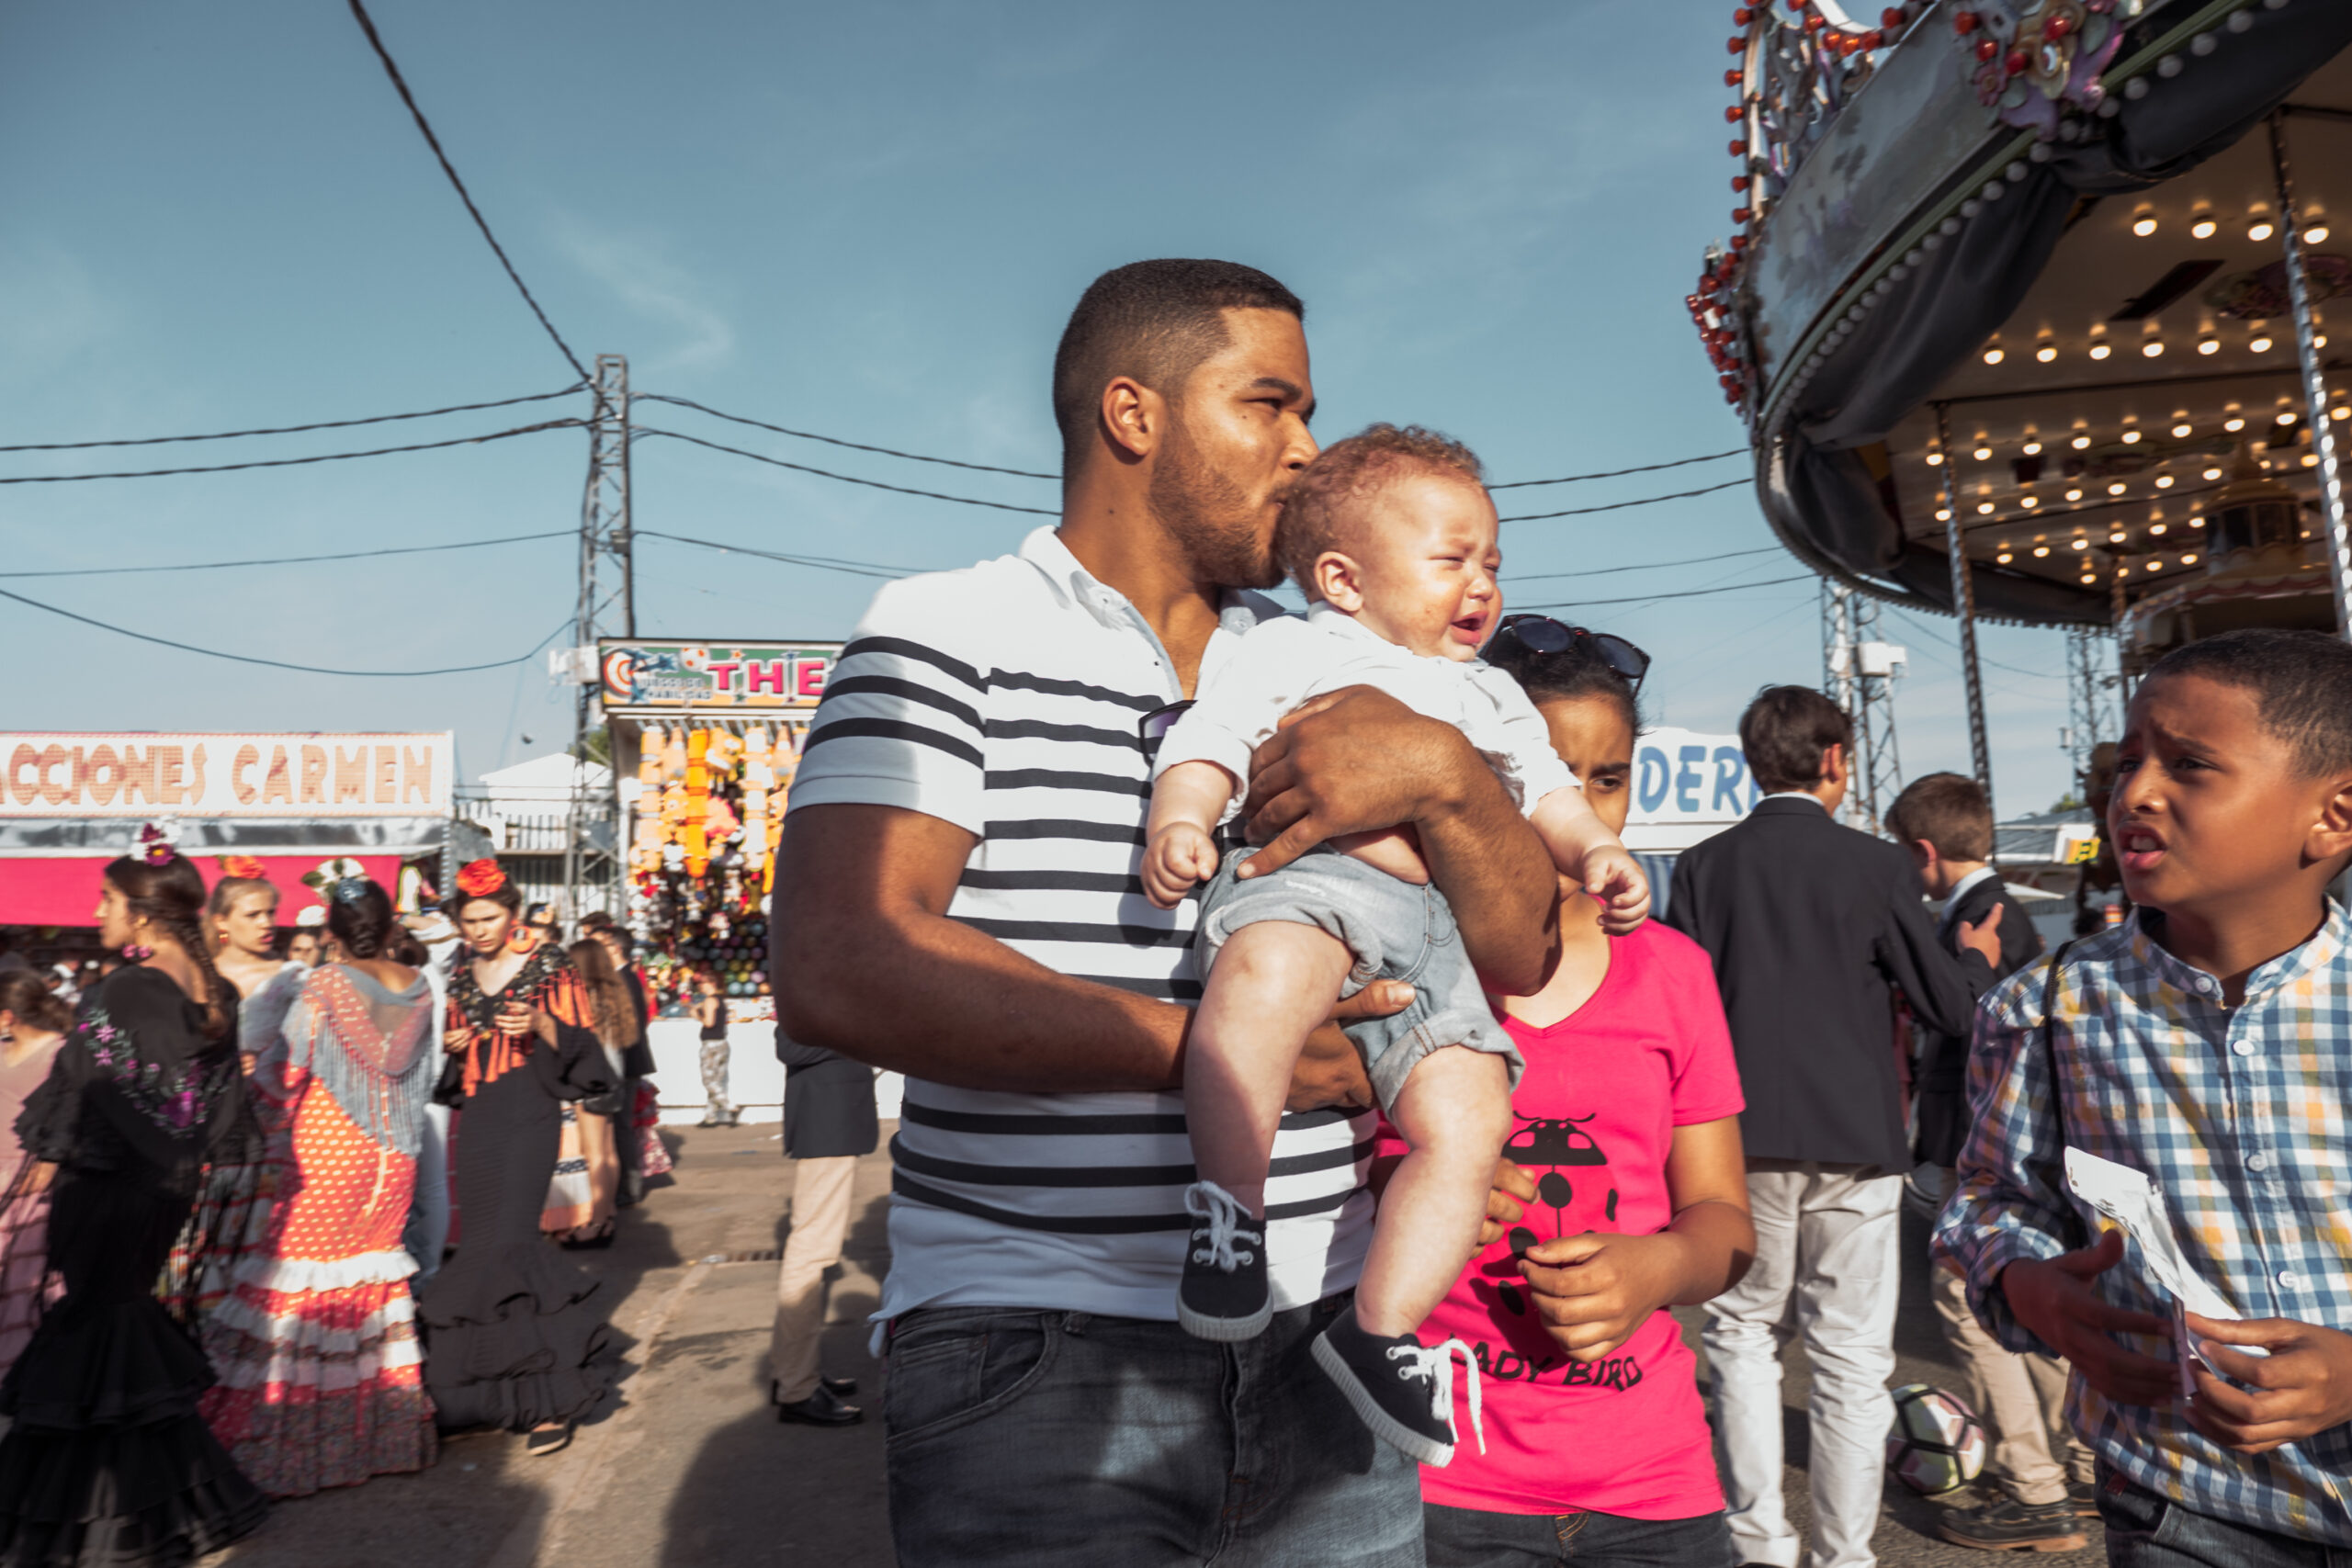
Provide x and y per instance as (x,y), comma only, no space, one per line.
(2242,1116)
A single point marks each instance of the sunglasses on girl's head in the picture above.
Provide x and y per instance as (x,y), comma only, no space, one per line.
(1541,634)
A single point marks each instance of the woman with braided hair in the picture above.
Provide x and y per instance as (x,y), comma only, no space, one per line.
(322,1381)
(511,1338)
(106,1460)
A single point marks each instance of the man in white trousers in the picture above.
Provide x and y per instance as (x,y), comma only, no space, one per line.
(828,1123)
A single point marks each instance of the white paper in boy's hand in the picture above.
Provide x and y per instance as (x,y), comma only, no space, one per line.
(2131,1200)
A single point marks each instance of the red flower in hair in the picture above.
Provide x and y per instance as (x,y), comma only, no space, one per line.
(242,866)
(481,879)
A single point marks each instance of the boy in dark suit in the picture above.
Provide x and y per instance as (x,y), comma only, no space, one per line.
(1946,822)
(1812,926)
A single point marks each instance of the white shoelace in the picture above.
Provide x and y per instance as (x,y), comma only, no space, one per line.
(1435,1363)
(1222,1213)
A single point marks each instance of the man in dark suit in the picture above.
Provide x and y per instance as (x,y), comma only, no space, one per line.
(2031,1501)
(828,1122)
(1812,926)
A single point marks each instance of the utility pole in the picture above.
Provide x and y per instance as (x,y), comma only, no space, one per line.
(2090,700)
(606,604)
(1859,673)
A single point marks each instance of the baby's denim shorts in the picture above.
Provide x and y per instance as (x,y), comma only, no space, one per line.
(1396,931)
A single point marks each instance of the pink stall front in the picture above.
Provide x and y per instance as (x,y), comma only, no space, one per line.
(70,802)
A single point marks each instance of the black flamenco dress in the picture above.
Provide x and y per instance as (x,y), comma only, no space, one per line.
(107,1462)
(511,1338)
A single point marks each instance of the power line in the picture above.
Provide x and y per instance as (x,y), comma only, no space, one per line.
(275,663)
(822,563)
(368,27)
(1620,473)
(1685,593)
(835,440)
(295,462)
(845,479)
(293,560)
(294,429)
(1645,566)
(1620,506)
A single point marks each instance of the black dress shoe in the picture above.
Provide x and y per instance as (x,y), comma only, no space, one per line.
(822,1408)
(840,1388)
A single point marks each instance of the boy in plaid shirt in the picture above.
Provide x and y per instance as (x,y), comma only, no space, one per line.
(2207,1042)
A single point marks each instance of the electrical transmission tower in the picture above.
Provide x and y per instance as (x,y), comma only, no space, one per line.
(1860,673)
(2092,685)
(606,606)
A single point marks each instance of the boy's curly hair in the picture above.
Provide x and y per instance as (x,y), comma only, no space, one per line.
(1318,513)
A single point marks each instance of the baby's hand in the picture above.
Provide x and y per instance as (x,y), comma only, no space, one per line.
(1178,856)
(1615,878)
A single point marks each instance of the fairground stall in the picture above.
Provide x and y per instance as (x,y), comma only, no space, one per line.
(2028,311)
(705,737)
(68,803)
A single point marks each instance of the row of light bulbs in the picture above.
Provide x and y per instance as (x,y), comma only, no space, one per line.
(2081,542)
(2261,342)
(2132,436)
(2259,226)
(2115,488)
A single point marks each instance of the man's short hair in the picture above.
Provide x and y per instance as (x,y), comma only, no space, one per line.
(1329,491)
(1155,320)
(1949,811)
(2301,683)
(1784,732)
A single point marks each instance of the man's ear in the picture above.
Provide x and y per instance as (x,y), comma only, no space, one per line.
(1923,853)
(1134,418)
(1836,764)
(1338,579)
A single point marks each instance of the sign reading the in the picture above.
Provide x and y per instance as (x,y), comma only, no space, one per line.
(225,776)
(642,678)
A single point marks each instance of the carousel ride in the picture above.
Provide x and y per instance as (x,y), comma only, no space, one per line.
(2028,311)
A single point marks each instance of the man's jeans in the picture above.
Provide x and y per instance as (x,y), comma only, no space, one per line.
(1828,1237)
(2143,1530)
(1061,1439)
(1469,1538)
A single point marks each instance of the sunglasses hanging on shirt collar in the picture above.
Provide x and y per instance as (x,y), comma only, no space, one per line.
(1542,635)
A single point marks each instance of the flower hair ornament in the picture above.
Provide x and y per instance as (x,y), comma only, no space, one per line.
(244,866)
(159,841)
(481,878)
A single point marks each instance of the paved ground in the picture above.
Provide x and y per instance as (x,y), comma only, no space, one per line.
(691,1470)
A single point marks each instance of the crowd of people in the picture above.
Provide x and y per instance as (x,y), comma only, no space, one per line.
(1312,1110)
(1184,1180)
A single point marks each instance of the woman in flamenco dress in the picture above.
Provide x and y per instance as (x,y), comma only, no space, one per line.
(321,1381)
(33,1023)
(512,1337)
(107,1460)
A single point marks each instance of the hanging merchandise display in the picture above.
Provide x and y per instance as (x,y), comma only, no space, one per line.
(706,741)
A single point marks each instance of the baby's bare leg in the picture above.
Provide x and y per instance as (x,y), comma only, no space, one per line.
(1455,1111)
(1272,983)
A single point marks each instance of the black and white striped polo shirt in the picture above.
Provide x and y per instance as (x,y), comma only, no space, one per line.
(1005,698)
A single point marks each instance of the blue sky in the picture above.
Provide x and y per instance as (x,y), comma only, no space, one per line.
(865,221)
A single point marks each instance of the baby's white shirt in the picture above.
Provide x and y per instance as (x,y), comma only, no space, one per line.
(1284,661)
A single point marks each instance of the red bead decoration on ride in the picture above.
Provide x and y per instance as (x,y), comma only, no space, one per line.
(2056,28)
(1987,49)
(1732,113)
(1734,77)
(1816,22)
(1740,214)
(1739,149)
(1742,16)
(1738,45)
(2017,62)
(1963,22)
(1890,19)
(1739,182)
(1874,40)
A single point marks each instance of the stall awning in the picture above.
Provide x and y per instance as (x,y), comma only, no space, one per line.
(63,890)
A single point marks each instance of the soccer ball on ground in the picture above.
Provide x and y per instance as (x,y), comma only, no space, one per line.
(1936,1445)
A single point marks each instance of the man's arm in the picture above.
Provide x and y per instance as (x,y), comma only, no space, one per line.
(1941,986)
(866,963)
(1359,760)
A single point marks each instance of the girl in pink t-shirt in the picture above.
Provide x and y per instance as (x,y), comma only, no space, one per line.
(1621,1192)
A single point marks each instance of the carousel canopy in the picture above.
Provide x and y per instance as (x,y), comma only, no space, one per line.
(2024,262)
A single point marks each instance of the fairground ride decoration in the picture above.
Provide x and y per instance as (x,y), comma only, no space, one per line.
(2026,308)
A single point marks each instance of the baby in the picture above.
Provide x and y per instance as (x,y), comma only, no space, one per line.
(1393,537)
